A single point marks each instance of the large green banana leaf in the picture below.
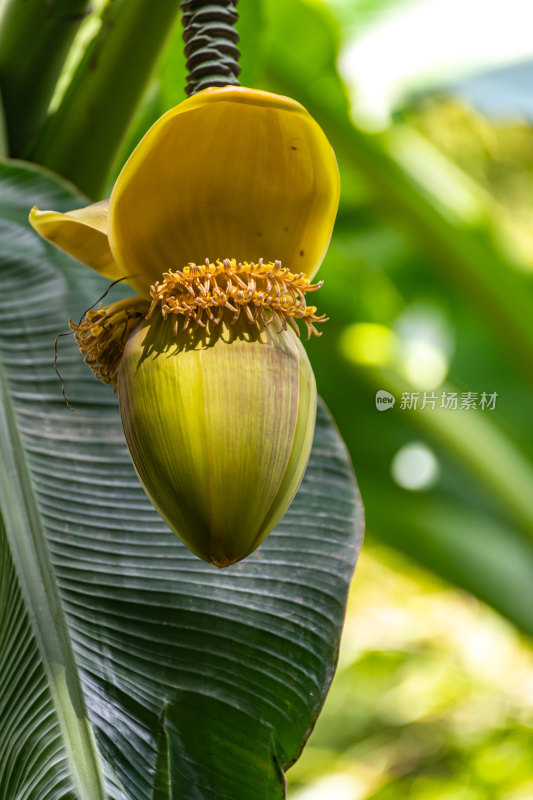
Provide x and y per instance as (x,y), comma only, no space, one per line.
(129,669)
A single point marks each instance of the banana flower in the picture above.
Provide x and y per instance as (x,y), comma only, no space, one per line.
(218,221)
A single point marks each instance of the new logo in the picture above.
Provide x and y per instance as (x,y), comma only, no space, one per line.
(384,400)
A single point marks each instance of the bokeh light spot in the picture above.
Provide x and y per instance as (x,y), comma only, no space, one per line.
(415,467)
(368,343)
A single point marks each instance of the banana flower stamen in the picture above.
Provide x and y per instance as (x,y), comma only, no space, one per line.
(234,285)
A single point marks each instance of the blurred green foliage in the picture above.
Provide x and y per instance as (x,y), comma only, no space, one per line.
(424,258)
(432,699)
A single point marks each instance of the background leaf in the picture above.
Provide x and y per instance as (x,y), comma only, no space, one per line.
(27,84)
(191,676)
(100,100)
(419,250)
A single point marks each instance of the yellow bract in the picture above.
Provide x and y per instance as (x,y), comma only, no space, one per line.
(229,173)
(81,233)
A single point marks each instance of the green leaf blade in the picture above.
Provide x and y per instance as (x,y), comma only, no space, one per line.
(28,547)
(171,653)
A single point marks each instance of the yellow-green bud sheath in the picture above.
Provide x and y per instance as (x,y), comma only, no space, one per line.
(219,424)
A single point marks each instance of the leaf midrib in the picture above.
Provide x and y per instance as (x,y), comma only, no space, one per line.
(29,549)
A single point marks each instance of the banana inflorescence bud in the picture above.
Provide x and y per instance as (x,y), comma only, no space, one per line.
(216,392)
